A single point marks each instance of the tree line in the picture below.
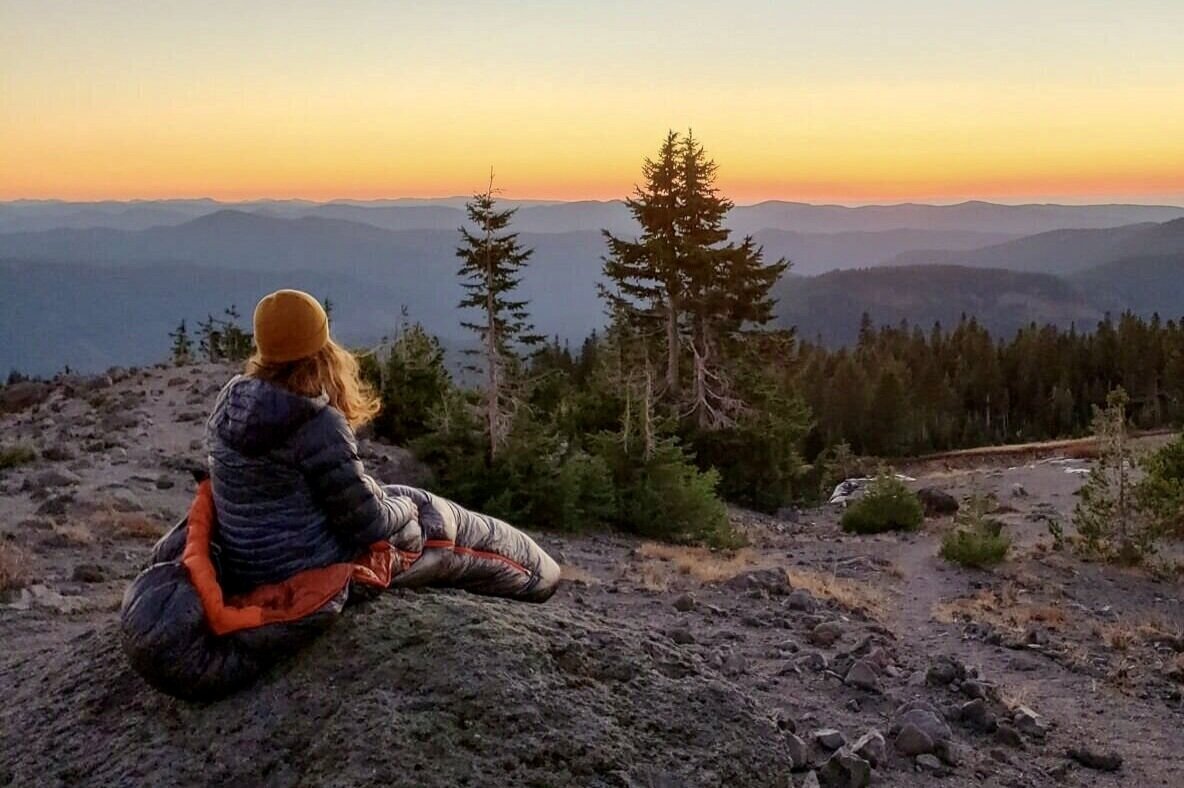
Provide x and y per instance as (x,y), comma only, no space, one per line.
(690,396)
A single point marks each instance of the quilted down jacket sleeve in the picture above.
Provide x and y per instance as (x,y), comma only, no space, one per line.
(357,507)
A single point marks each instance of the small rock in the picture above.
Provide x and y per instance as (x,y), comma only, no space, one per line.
(165,483)
(862,675)
(771,581)
(684,603)
(845,769)
(829,738)
(59,452)
(973,688)
(1029,723)
(801,599)
(124,500)
(810,780)
(813,661)
(944,671)
(798,750)
(88,573)
(1019,491)
(976,714)
(930,763)
(1007,735)
(937,502)
(682,637)
(871,747)
(826,633)
(912,741)
(928,721)
(1099,761)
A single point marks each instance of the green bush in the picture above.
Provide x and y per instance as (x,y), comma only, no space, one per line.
(1160,493)
(977,548)
(886,506)
(977,539)
(12,456)
(664,496)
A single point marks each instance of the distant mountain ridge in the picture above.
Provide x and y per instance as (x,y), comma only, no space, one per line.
(1065,252)
(98,295)
(556,216)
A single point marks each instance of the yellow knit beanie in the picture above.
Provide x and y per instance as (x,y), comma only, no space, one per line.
(289,325)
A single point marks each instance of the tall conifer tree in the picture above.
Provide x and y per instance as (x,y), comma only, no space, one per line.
(491,259)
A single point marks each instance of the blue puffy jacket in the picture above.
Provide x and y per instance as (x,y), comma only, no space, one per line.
(289,488)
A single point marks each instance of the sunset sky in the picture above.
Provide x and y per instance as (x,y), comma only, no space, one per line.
(847,101)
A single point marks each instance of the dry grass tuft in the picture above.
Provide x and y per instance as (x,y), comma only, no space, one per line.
(1002,608)
(1117,636)
(14,571)
(845,592)
(700,563)
(128,525)
(578,576)
(69,536)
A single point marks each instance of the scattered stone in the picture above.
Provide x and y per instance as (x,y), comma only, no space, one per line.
(682,637)
(801,599)
(771,581)
(871,747)
(1019,491)
(976,714)
(1099,761)
(937,502)
(930,763)
(1007,735)
(685,603)
(59,452)
(911,740)
(845,769)
(862,675)
(812,661)
(826,633)
(810,780)
(165,483)
(798,750)
(973,688)
(829,738)
(88,573)
(943,671)
(1029,723)
(928,721)
(50,478)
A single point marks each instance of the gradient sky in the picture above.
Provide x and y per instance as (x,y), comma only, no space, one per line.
(846,100)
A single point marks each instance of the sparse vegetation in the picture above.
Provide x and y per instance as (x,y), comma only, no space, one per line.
(13,456)
(977,540)
(888,505)
(1111,522)
(14,568)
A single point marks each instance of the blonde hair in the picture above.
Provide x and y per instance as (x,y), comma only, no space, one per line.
(332,370)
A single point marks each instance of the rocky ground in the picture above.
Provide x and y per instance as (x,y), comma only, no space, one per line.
(808,657)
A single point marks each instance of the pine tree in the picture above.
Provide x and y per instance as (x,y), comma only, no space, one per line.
(647,278)
(491,259)
(1107,517)
(182,351)
(210,339)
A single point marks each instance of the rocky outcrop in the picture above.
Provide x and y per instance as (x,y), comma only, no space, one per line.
(512,694)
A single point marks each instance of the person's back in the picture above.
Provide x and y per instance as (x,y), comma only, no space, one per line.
(288,487)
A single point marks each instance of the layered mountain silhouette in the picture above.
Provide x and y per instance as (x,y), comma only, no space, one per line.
(99,295)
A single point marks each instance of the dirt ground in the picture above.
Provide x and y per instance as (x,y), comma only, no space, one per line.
(776,665)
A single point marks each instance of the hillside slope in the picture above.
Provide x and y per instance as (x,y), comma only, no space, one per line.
(830,306)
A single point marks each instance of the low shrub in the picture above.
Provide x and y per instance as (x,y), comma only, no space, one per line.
(977,540)
(886,506)
(12,456)
(974,548)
